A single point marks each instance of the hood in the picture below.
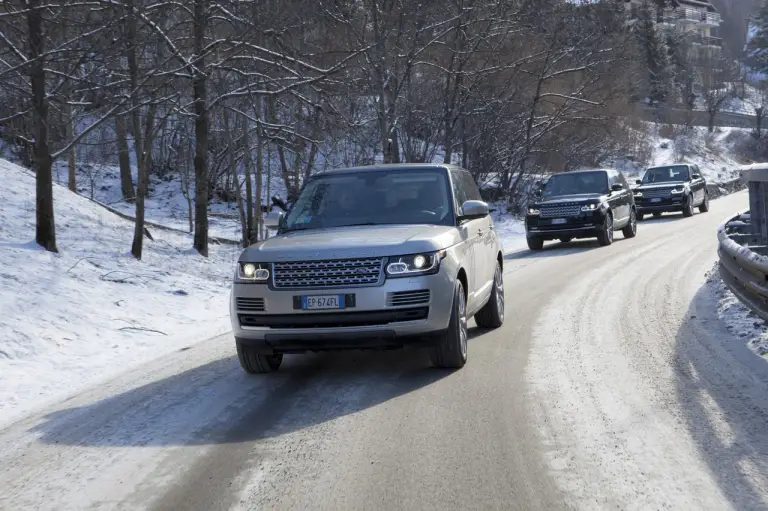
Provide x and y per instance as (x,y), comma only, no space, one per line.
(584,197)
(352,242)
(666,184)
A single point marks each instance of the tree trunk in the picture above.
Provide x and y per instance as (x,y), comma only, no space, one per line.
(199,85)
(711,125)
(257,215)
(124,158)
(143,181)
(45,235)
(69,135)
(133,74)
(248,164)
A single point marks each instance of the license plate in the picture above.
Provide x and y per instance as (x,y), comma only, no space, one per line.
(558,221)
(318,302)
(655,200)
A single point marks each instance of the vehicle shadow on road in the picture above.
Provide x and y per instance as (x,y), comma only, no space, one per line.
(216,403)
(650,219)
(722,389)
(555,249)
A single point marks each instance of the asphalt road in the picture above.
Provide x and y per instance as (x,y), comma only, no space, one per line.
(612,385)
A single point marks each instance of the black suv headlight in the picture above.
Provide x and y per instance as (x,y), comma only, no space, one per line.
(416,264)
(252,273)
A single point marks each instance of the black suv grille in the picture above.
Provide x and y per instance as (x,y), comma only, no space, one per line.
(561,210)
(657,193)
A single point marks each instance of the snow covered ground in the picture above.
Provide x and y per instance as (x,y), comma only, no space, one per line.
(712,152)
(738,319)
(77,317)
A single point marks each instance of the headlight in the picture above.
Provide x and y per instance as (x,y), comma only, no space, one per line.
(417,264)
(253,272)
(678,190)
(638,195)
(534,212)
(590,207)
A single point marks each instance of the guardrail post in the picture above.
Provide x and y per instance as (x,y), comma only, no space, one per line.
(757,179)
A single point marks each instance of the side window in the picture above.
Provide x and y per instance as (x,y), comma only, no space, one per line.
(459,192)
(623,181)
(470,186)
(612,179)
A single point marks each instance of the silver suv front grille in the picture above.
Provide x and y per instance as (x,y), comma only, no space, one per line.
(334,273)
(658,193)
(561,210)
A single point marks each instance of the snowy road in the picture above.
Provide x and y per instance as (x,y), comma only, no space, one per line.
(612,385)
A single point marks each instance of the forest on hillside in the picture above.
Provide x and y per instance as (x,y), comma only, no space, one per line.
(221,92)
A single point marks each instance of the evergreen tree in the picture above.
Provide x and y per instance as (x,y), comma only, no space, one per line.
(654,53)
(757,49)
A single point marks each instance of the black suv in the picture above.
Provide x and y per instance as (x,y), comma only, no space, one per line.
(581,204)
(671,188)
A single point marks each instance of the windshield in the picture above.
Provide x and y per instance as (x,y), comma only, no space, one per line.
(666,174)
(576,183)
(386,197)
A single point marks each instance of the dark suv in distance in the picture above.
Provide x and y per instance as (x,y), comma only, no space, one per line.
(581,204)
(671,188)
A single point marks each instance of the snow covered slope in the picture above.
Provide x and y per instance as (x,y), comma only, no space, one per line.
(74,318)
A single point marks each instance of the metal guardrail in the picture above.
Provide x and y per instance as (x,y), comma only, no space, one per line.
(742,267)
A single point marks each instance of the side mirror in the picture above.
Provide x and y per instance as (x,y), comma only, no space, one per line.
(280,221)
(617,187)
(696,176)
(638,181)
(474,209)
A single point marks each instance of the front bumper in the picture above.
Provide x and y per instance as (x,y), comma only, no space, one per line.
(585,225)
(664,205)
(372,322)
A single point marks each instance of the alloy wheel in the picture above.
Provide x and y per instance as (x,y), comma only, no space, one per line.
(463,325)
(609,227)
(499,278)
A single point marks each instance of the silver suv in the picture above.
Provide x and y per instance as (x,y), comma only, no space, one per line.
(371,258)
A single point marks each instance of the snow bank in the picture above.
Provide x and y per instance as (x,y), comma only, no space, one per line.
(738,319)
(75,318)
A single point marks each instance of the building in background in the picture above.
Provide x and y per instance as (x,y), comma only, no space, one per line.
(696,19)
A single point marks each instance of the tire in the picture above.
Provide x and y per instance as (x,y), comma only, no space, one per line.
(657,215)
(565,240)
(253,362)
(704,207)
(688,208)
(535,243)
(492,314)
(630,231)
(450,352)
(605,238)
(640,217)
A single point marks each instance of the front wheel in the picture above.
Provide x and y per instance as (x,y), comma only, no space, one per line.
(630,231)
(450,352)
(565,239)
(688,207)
(535,243)
(253,362)
(605,237)
(492,314)
(704,207)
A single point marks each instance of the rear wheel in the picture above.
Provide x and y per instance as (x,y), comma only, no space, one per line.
(688,207)
(450,352)
(630,231)
(605,237)
(565,239)
(535,243)
(657,215)
(253,362)
(492,314)
(704,207)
